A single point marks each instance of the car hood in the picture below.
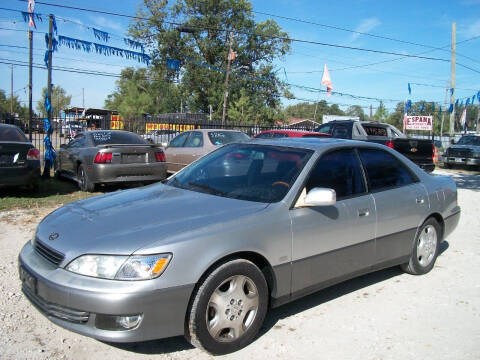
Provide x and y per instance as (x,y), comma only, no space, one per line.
(472,147)
(125,221)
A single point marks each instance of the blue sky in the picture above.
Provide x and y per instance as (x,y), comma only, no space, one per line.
(424,22)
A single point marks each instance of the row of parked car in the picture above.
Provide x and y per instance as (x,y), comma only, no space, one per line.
(114,156)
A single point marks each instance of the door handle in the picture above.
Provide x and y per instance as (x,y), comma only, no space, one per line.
(363,212)
(420,200)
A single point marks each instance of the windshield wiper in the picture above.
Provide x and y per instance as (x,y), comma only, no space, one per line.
(207,188)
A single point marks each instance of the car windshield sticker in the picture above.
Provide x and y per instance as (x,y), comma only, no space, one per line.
(218,138)
(102,136)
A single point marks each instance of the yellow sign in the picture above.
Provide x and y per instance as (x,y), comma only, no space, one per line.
(116,125)
(176,127)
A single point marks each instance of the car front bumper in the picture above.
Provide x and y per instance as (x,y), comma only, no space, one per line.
(77,302)
(118,173)
(460,161)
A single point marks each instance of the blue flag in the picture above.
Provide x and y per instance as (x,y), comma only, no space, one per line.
(451,91)
(433,107)
(450,109)
(422,108)
(456,103)
(468,102)
(409,89)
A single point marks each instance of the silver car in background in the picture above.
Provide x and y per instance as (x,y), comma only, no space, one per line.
(110,156)
(248,226)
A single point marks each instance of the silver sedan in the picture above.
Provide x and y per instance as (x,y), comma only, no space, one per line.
(247,227)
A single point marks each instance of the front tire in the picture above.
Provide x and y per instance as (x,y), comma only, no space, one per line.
(426,248)
(83,182)
(228,308)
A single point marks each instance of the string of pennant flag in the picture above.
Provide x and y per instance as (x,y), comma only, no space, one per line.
(175,64)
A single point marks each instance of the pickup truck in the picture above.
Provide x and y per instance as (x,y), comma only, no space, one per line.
(420,151)
(465,152)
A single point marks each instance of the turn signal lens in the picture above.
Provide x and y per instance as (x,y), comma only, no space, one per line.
(103,158)
(160,156)
(160,265)
(33,154)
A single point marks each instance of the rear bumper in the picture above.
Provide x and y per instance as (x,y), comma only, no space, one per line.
(113,173)
(78,303)
(19,176)
(428,167)
(451,222)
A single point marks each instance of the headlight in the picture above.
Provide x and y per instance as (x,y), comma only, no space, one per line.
(138,267)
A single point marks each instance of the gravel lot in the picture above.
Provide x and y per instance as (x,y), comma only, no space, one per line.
(384,315)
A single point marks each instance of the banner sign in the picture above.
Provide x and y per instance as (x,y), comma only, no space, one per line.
(176,127)
(116,122)
(419,123)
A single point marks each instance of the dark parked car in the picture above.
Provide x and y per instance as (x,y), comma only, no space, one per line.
(465,152)
(205,254)
(19,159)
(110,156)
(420,151)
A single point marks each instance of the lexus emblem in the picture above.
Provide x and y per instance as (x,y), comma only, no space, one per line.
(53,236)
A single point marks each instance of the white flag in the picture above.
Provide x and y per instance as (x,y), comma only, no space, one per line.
(327,81)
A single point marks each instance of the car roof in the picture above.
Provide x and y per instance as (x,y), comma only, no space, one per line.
(9,126)
(314,143)
(209,130)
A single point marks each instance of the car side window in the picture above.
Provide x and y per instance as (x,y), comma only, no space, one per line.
(80,141)
(73,143)
(384,170)
(342,132)
(179,140)
(338,170)
(194,140)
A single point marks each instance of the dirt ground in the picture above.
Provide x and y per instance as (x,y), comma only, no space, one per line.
(384,315)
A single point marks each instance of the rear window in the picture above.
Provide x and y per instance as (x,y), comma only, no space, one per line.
(226,137)
(375,130)
(116,137)
(8,133)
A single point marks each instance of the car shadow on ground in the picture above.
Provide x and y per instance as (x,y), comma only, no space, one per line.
(179,343)
(467,181)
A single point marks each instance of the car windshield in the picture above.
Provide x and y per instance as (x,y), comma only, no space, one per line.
(469,140)
(250,172)
(8,133)
(226,137)
(116,137)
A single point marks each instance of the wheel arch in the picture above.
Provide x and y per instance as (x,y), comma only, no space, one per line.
(439,218)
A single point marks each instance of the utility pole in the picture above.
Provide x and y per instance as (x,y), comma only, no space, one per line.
(30,61)
(11,91)
(46,169)
(443,114)
(452,82)
(83,98)
(371,112)
(210,106)
(229,61)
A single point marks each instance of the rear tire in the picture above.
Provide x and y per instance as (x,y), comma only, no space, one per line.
(228,308)
(425,250)
(83,182)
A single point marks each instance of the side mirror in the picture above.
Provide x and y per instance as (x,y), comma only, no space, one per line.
(63,146)
(320,197)
(452,141)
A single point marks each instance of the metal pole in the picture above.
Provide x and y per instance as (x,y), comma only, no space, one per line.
(11,91)
(226,81)
(83,98)
(30,61)
(452,83)
(46,169)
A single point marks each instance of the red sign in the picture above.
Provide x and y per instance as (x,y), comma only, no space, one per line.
(419,123)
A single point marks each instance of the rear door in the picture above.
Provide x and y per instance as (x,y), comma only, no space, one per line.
(401,202)
(174,152)
(331,242)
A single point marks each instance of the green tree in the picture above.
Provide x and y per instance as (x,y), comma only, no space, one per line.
(5,106)
(59,101)
(356,110)
(381,114)
(141,92)
(201,45)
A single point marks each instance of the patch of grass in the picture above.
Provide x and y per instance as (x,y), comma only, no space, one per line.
(51,193)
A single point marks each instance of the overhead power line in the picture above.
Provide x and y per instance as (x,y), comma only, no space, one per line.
(226,30)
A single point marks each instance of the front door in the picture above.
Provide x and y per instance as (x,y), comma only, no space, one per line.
(338,241)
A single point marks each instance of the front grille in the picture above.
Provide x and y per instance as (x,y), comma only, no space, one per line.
(55,310)
(460,153)
(48,253)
